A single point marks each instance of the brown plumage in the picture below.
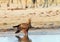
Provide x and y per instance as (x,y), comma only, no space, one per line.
(24,27)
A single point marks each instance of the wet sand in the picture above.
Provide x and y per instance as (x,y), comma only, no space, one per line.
(33,32)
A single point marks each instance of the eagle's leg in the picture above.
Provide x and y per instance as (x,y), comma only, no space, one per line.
(25,32)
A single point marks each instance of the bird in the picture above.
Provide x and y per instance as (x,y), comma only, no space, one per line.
(24,27)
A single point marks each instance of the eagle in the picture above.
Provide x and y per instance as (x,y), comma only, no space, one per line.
(24,27)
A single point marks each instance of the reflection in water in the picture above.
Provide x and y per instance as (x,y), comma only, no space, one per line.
(34,38)
(23,39)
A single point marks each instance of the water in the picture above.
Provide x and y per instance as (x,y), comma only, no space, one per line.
(31,38)
(38,35)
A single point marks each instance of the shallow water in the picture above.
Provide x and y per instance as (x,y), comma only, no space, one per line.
(39,35)
(31,38)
